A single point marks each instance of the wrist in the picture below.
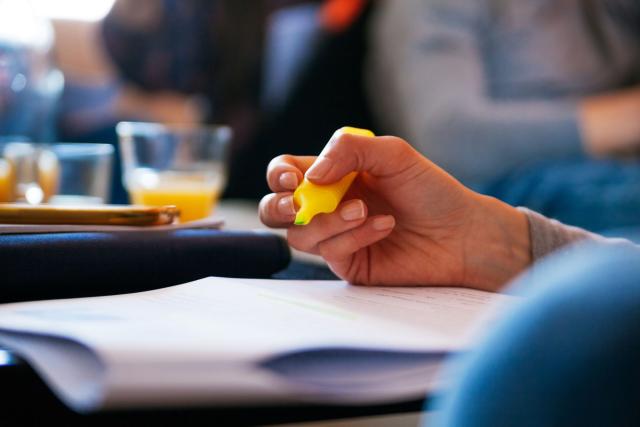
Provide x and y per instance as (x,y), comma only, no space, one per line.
(498,247)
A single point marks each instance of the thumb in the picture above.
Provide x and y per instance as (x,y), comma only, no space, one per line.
(379,156)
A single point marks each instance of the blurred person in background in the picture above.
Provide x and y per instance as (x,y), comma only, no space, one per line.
(234,62)
(534,102)
(156,61)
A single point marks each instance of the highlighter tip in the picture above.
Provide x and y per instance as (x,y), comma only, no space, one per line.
(301,219)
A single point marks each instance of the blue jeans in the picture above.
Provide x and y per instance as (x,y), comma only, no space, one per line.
(593,194)
(567,355)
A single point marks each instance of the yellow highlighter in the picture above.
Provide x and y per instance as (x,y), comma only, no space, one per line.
(313,199)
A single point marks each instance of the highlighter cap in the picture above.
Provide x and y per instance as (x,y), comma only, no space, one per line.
(313,199)
(356,131)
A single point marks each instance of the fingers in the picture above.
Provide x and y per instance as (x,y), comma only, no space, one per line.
(334,236)
(379,156)
(339,248)
(285,172)
(349,215)
(277,210)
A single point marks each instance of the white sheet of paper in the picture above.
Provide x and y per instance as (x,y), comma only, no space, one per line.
(204,340)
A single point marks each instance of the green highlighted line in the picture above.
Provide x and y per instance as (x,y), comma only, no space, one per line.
(317,308)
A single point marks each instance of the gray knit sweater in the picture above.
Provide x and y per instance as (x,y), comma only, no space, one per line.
(548,235)
(482,87)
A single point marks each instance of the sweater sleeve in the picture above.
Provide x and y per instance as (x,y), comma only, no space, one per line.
(548,235)
(433,89)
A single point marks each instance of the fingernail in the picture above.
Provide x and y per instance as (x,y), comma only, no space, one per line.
(384,223)
(320,168)
(352,211)
(289,180)
(285,206)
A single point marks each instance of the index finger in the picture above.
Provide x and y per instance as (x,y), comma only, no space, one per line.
(286,172)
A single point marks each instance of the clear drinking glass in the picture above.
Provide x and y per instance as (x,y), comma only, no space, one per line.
(74,173)
(175,165)
(55,173)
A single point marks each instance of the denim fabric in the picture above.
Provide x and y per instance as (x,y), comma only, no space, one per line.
(566,356)
(596,195)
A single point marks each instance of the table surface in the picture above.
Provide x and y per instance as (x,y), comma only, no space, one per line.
(27,399)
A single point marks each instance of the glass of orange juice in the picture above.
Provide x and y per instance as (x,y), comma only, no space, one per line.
(175,165)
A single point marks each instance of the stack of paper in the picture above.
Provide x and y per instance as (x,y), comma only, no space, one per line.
(236,341)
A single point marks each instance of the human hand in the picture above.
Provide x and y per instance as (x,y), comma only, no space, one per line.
(610,123)
(404,221)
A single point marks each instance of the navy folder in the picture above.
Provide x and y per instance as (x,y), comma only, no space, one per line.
(69,265)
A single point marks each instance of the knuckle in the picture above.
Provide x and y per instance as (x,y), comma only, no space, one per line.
(400,145)
(279,165)
(339,143)
(341,138)
(299,240)
(279,161)
(345,147)
(351,241)
(327,251)
(359,159)
(335,250)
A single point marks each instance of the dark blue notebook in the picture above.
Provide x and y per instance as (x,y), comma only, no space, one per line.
(69,265)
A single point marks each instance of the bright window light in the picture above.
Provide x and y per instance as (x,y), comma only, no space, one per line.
(81,10)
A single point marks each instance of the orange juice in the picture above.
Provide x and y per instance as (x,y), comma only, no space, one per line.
(7,181)
(193,203)
(194,194)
